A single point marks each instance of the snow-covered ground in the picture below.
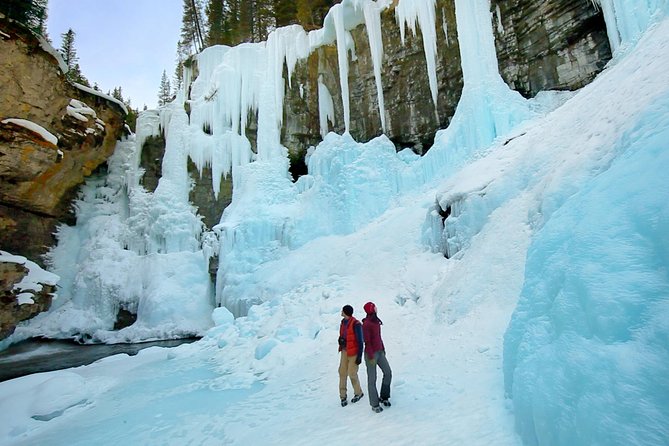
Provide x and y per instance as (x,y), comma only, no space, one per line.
(548,319)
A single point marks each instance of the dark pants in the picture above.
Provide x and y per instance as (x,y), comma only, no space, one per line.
(382,362)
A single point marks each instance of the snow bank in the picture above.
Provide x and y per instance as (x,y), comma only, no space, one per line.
(35,128)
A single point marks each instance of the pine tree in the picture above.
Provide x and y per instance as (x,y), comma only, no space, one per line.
(192,37)
(165,91)
(69,53)
(285,12)
(264,18)
(311,13)
(30,13)
(117,93)
(215,12)
(67,49)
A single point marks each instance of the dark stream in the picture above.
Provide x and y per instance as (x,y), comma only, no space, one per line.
(36,355)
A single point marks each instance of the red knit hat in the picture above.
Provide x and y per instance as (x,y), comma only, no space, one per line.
(369,308)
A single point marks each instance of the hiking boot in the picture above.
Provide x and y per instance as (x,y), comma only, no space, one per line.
(377,409)
(344,402)
(357,398)
(385,402)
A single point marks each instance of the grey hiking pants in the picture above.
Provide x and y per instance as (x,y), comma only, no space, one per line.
(382,362)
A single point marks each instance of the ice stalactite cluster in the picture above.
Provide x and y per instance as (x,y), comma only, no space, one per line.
(208,122)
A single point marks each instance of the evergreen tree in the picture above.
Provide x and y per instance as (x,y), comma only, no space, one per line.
(117,93)
(30,13)
(216,22)
(165,91)
(67,49)
(192,37)
(264,19)
(285,12)
(69,53)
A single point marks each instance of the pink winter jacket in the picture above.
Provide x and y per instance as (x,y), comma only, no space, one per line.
(371,330)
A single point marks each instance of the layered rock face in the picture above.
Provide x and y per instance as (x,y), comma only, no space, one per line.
(549,45)
(559,44)
(411,116)
(38,179)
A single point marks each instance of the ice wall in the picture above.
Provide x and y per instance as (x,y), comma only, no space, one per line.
(585,353)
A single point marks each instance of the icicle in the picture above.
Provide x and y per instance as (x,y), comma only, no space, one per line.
(498,15)
(408,12)
(373,23)
(343,36)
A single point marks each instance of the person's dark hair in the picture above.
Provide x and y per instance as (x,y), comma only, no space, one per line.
(348,310)
(374,317)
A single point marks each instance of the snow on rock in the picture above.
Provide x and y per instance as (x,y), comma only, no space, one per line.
(25,299)
(35,128)
(46,46)
(79,110)
(36,276)
(102,95)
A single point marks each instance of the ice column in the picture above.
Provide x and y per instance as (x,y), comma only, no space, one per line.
(284,45)
(487,108)
(343,39)
(372,12)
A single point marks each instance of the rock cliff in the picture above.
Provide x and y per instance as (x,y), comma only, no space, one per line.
(12,310)
(52,135)
(39,179)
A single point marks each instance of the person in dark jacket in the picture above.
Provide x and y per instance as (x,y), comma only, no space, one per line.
(350,346)
(375,355)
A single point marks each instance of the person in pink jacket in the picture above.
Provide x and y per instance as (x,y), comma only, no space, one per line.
(375,355)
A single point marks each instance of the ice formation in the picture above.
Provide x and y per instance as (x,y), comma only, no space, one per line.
(626,22)
(421,12)
(567,214)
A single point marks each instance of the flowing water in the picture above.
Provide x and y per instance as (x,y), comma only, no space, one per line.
(37,355)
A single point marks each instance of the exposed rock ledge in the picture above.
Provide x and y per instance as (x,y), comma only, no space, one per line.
(38,179)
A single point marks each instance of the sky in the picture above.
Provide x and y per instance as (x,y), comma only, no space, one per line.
(126,43)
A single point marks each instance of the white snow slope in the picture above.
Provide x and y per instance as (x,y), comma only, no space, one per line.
(548,324)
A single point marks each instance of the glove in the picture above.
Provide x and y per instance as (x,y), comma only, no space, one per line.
(358,360)
(342,341)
